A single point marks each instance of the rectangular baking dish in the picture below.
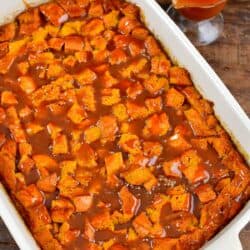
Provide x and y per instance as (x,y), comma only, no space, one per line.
(226,108)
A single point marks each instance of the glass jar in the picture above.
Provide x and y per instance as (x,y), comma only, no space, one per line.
(164,2)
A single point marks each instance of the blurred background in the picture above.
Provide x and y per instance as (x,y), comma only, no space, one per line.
(165,2)
(231,53)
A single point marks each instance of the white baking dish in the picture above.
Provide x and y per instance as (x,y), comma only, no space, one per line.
(231,115)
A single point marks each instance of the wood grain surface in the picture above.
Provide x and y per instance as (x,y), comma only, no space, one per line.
(230,58)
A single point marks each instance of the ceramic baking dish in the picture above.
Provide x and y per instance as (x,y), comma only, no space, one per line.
(228,111)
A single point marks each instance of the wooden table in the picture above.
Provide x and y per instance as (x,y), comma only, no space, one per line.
(230,58)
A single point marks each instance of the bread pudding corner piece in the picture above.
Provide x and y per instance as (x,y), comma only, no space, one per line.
(192,167)
(135,67)
(160,65)
(144,227)
(154,84)
(15,125)
(61,210)
(102,220)
(205,193)
(92,134)
(120,112)
(4,48)
(54,13)
(8,98)
(109,128)
(130,204)
(181,202)
(172,168)
(110,96)
(27,84)
(114,164)
(76,113)
(29,21)
(8,32)
(179,76)
(174,98)
(46,162)
(154,105)
(118,56)
(140,176)
(48,184)
(136,111)
(179,142)
(156,125)
(60,144)
(33,128)
(83,203)
(66,235)
(7,170)
(85,155)
(15,49)
(94,27)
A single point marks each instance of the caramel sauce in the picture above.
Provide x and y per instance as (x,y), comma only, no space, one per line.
(200,13)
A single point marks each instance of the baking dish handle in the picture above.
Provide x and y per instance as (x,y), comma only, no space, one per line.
(229,236)
(15,223)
